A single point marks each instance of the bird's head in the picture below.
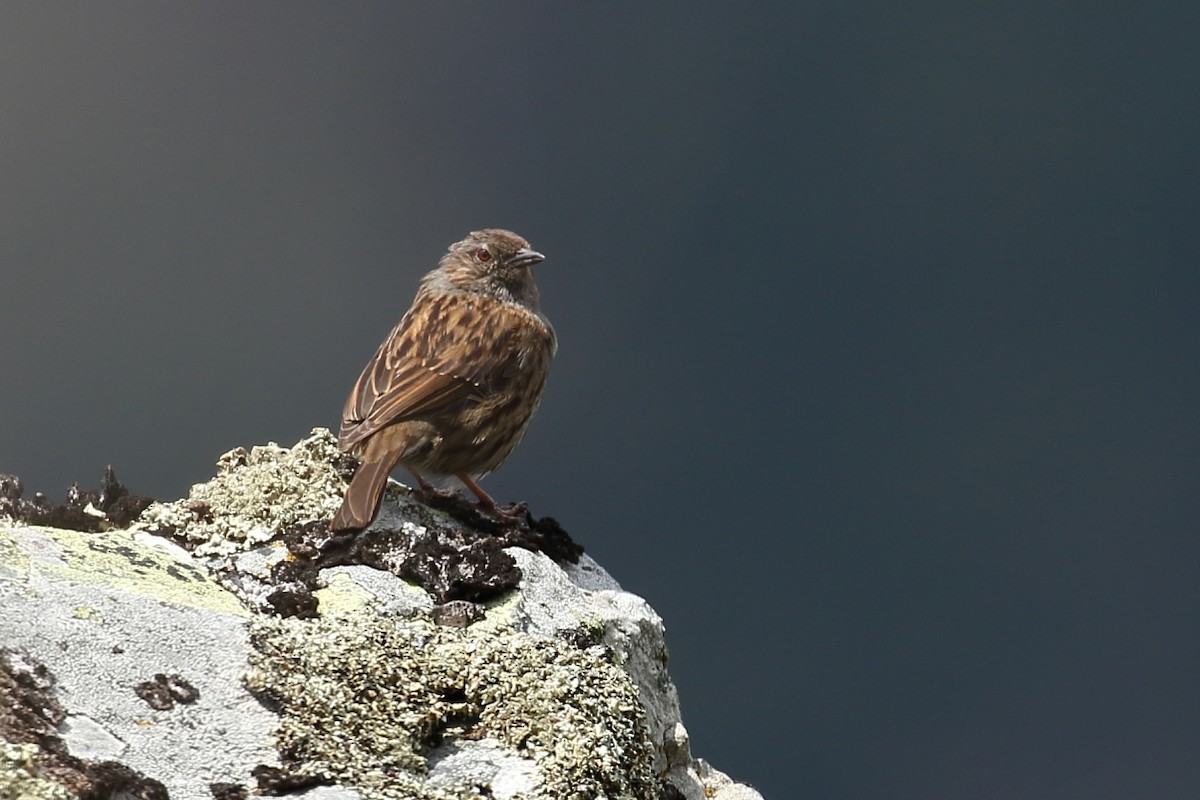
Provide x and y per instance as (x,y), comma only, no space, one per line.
(493,262)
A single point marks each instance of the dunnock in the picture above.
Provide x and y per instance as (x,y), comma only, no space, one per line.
(453,387)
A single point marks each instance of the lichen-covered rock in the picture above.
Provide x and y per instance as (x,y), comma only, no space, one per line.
(255,494)
(231,644)
(369,703)
(87,619)
(23,778)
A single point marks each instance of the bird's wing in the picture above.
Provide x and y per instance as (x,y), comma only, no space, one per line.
(445,349)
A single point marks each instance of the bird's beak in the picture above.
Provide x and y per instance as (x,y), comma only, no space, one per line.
(525,258)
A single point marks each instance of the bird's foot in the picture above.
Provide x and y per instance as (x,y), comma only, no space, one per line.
(513,514)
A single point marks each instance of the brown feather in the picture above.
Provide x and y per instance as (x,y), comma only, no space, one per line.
(454,386)
(424,369)
(362,496)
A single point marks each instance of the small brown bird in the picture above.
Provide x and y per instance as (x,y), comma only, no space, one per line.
(453,387)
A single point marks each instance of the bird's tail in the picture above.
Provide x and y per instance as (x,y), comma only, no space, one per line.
(362,496)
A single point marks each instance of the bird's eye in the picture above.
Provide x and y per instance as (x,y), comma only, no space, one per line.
(483,254)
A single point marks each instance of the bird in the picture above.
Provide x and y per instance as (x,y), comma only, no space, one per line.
(452,389)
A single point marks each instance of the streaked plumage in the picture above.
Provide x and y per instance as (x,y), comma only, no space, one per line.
(454,386)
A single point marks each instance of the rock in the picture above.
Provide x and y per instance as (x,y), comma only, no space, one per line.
(228,644)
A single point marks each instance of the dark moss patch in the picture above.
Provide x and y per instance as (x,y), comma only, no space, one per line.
(289,603)
(228,791)
(450,567)
(457,613)
(30,714)
(542,535)
(119,506)
(451,562)
(29,711)
(111,779)
(164,691)
(276,781)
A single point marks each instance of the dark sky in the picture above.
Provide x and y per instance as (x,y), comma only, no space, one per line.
(879,329)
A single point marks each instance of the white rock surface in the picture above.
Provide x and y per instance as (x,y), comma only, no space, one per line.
(106,612)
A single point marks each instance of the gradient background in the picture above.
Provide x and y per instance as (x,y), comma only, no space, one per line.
(879,328)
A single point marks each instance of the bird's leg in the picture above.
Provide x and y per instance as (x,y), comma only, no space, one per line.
(485,499)
(429,490)
(486,503)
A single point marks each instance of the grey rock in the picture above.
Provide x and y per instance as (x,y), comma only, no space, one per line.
(89,739)
(558,688)
(103,613)
(483,763)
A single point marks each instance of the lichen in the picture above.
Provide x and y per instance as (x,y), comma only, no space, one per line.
(21,778)
(362,700)
(255,495)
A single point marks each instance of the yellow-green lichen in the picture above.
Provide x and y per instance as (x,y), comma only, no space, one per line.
(342,594)
(113,559)
(89,613)
(255,494)
(13,559)
(500,613)
(21,778)
(361,699)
